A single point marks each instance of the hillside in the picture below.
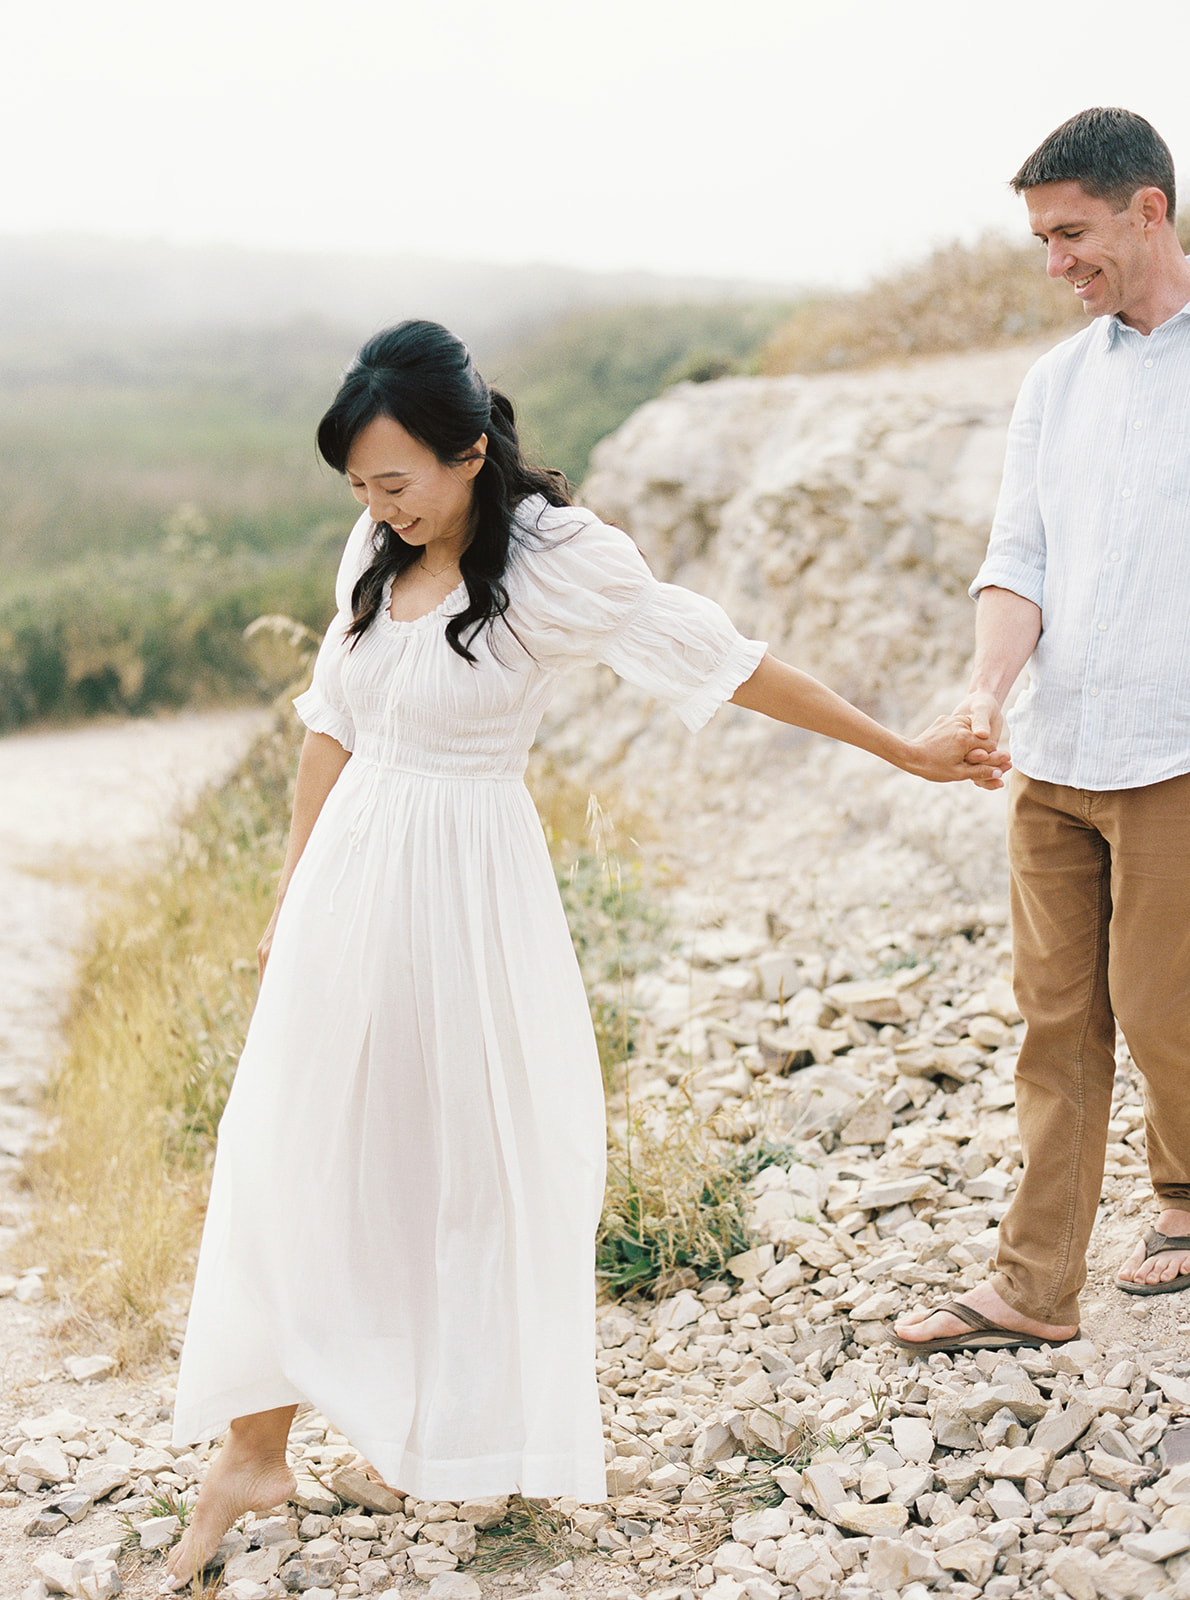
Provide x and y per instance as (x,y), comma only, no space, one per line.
(74,292)
(159,487)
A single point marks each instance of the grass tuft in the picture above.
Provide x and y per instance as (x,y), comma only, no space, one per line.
(533,1537)
(673,1206)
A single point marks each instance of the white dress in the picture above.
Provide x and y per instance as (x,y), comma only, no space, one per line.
(410,1166)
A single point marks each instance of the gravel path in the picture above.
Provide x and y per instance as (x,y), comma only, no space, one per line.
(838,976)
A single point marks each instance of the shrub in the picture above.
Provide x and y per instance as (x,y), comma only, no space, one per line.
(133,635)
(962,297)
(579,381)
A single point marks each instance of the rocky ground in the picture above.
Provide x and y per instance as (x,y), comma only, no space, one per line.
(846,994)
(836,980)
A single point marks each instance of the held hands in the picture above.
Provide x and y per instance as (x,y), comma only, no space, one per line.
(963,746)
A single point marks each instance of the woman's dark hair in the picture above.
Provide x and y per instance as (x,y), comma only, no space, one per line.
(420,376)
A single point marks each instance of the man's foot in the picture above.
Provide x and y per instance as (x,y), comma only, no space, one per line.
(929,1328)
(239,1480)
(1152,1269)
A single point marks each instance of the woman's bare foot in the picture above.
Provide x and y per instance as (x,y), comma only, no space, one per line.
(922,1326)
(250,1473)
(1166,1264)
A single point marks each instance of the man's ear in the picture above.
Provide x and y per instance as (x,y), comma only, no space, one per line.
(1151,206)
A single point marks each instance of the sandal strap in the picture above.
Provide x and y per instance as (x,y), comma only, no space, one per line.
(973,1319)
(1156,1242)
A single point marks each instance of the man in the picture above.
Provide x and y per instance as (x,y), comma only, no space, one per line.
(1087,579)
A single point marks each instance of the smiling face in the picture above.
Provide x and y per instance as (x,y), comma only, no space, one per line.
(1105,255)
(425,501)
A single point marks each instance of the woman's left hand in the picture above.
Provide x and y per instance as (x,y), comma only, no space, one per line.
(948,752)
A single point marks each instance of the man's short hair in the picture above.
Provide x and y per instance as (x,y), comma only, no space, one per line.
(1109,151)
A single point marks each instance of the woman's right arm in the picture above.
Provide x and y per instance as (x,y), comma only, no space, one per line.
(322,760)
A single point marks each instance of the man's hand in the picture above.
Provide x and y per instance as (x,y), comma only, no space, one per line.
(952,748)
(985,715)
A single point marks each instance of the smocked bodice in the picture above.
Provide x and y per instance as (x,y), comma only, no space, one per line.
(403,700)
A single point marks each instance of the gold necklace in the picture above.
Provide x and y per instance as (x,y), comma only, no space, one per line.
(436,572)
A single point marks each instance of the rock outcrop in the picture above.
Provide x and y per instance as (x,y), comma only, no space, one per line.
(841,518)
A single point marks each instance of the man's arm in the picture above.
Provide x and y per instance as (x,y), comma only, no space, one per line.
(1007,628)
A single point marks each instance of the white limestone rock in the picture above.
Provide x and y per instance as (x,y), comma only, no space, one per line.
(913,1439)
(881,1517)
(59,1424)
(454,1586)
(86,1369)
(158,1533)
(43,1462)
(974,1558)
(99,1479)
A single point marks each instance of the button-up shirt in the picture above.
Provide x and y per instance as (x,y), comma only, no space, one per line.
(1093,525)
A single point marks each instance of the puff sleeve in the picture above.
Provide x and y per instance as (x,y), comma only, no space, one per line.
(323,707)
(585,593)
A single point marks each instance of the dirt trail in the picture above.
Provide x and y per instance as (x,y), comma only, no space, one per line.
(76,805)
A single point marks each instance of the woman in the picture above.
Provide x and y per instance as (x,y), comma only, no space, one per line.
(410,1166)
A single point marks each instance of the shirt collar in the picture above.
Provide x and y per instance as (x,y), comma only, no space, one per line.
(1115,330)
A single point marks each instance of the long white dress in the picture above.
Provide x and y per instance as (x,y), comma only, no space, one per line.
(410,1166)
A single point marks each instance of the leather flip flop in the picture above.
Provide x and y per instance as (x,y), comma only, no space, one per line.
(1155,1243)
(984,1335)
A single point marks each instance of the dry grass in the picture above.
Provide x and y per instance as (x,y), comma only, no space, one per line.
(962,297)
(608,896)
(673,1210)
(532,1537)
(151,1044)
(158,1021)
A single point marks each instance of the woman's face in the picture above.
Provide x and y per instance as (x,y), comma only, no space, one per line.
(402,482)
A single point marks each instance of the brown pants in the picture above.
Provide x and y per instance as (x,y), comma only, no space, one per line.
(1101,933)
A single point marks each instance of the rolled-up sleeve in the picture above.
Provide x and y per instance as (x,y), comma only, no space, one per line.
(1016,549)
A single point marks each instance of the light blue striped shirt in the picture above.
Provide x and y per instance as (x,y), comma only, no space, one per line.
(1093,524)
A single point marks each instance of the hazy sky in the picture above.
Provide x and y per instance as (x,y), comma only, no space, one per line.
(797,140)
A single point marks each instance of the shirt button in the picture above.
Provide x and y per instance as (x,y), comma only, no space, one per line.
(1136,424)
(1149,362)
(1125,494)
(1115,555)
(1103,627)
(1094,692)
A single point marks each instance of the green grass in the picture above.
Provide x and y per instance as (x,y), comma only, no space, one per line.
(578,382)
(158,492)
(134,633)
